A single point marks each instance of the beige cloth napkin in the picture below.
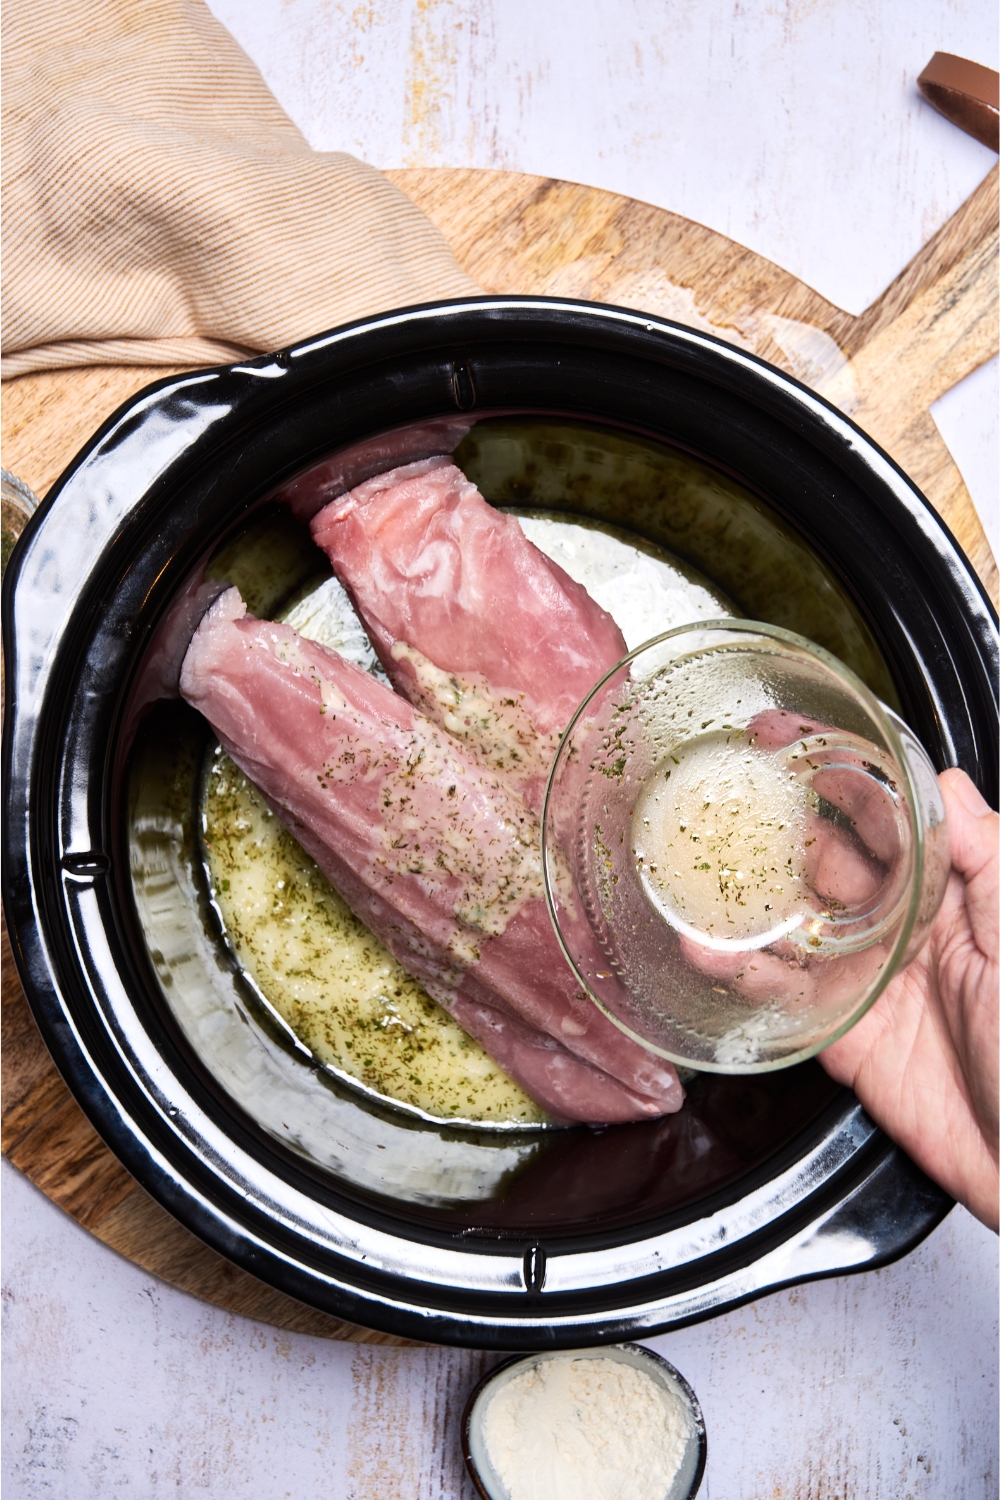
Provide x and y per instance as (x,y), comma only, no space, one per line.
(159,207)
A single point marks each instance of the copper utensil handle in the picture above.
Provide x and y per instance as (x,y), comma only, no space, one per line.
(966,93)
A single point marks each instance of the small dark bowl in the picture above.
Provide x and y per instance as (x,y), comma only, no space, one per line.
(572,1237)
(636,1355)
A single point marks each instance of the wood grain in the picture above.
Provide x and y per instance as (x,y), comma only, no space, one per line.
(515,233)
(46,1134)
(935,324)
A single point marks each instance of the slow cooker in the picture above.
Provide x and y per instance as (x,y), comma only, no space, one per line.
(514,1239)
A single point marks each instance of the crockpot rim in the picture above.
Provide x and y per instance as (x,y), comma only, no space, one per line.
(285,359)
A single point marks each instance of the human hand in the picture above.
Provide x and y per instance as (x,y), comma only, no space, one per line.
(924,1060)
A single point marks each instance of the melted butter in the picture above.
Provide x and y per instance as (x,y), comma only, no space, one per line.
(720,838)
(334,984)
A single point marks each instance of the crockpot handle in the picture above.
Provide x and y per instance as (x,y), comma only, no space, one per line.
(891,1210)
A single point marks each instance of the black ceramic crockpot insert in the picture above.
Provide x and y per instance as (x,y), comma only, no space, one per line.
(593,1235)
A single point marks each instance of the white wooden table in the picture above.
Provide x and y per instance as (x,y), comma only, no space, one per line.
(796,129)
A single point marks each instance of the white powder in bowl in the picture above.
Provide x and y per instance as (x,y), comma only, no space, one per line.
(586,1429)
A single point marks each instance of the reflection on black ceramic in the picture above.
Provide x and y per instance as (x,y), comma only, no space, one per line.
(580,1236)
(695,511)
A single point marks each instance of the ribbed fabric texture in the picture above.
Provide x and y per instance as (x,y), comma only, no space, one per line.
(159,207)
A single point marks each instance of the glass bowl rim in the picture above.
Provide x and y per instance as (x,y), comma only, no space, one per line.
(884,719)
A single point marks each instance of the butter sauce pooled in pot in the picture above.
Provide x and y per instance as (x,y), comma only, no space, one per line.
(329,978)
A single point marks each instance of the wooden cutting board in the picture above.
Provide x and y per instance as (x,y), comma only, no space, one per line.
(935,324)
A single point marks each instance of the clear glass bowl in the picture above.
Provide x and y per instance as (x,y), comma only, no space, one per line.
(741,846)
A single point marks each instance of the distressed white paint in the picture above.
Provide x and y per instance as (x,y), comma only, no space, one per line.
(794,126)
(879,1386)
(967,419)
